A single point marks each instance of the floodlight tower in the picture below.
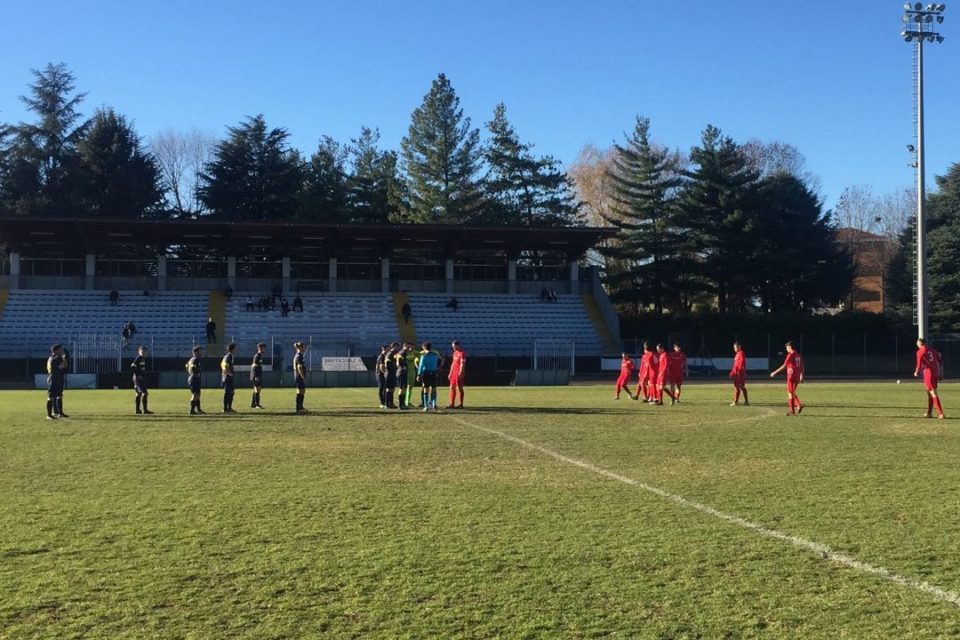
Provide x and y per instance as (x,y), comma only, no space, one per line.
(918,27)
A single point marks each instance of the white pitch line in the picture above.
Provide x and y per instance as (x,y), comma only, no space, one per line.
(822,550)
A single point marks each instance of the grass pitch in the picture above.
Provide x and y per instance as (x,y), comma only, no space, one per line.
(528,516)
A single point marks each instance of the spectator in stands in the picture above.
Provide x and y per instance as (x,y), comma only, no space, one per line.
(277,292)
(128,332)
(553,295)
(228,293)
(406,311)
(453,304)
(284,308)
(250,304)
(114,297)
(544,295)
(211,330)
(271,302)
(298,303)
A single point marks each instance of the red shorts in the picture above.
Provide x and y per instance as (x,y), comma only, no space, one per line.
(792,386)
(456,381)
(664,379)
(929,380)
(622,380)
(739,380)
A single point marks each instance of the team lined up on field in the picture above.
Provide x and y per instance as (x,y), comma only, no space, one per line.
(662,372)
(659,373)
(393,368)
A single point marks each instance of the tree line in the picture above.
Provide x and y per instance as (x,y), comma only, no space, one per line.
(63,164)
(726,226)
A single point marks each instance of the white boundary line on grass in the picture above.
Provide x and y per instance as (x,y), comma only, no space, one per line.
(823,550)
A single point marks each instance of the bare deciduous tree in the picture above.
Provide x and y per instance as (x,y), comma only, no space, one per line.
(773,158)
(590,174)
(181,157)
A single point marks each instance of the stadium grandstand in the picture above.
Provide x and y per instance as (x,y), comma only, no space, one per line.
(344,289)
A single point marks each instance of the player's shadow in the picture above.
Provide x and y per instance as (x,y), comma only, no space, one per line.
(884,416)
(580,411)
(875,407)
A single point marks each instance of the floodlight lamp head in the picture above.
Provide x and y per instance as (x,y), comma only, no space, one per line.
(939,38)
(907,6)
(928,18)
(939,19)
(918,6)
(911,148)
(907,37)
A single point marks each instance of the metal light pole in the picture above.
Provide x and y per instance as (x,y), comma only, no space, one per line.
(918,26)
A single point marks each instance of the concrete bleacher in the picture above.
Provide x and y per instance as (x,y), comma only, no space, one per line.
(504,324)
(334,323)
(32,320)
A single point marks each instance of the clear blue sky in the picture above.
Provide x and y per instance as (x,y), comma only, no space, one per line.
(831,78)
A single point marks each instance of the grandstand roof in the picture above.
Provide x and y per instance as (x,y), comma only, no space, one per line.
(63,237)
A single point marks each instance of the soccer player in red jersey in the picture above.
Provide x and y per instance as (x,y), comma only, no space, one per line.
(663,375)
(739,375)
(678,369)
(930,363)
(626,369)
(793,363)
(646,376)
(458,367)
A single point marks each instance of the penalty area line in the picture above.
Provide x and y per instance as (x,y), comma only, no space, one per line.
(822,550)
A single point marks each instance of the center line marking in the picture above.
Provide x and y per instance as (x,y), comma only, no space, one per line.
(822,550)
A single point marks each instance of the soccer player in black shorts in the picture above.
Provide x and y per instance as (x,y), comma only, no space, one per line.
(390,367)
(56,380)
(256,375)
(193,380)
(139,366)
(300,374)
(226,378)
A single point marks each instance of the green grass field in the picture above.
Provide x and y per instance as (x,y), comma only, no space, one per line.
(533,515)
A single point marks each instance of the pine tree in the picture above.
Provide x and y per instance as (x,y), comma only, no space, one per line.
(716,210)
(795,262)
(440,159)
(254,174)
(943,252)
(119,179)
(40,158)
(372,183)
(325,197)
(643,261)
(523,189)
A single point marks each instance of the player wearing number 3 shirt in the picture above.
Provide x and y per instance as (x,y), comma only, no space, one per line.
(930,363)
(793,364)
